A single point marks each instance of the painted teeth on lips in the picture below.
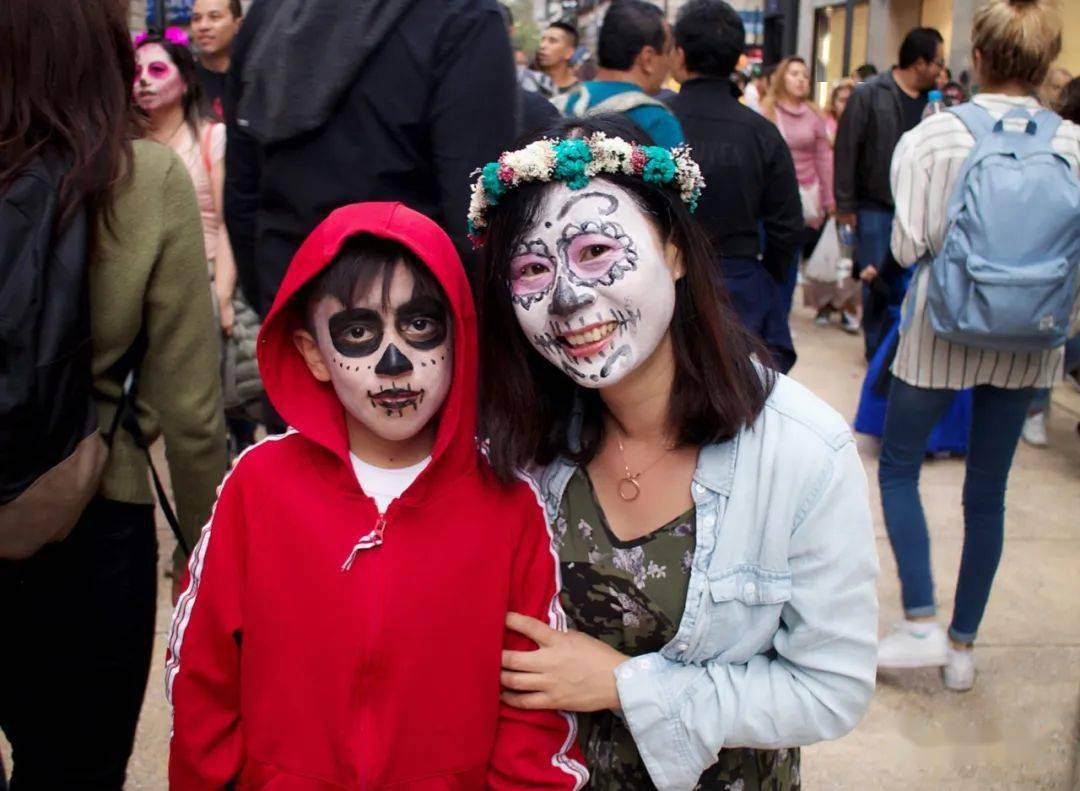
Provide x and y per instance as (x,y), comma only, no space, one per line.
(589,335)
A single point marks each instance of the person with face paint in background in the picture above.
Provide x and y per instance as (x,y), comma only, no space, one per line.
(373,536)
(214,25)
(168,92)
(712,520)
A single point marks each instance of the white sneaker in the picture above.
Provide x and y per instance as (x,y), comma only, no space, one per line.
(959,671)
(849,323)
(1034,432)
(913,644)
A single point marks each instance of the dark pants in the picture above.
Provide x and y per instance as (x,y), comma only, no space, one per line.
(997,416)
(77,634)
(757,299)
(874,232)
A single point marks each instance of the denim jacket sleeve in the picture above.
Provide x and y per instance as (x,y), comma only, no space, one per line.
(817,681)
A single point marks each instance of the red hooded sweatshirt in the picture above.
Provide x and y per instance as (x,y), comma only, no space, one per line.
(287,670)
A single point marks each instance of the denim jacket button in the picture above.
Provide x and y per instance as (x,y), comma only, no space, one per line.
(683,647)
(749,588)
(699,489)
(626,672)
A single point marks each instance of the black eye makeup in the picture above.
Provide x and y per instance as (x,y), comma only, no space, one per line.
(356,332)
(422,323)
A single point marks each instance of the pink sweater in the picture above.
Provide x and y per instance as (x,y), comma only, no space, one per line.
(807,137)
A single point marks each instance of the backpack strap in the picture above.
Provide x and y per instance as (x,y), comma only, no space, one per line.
(624,103)
(977,119)
(204,149)
(1046,125)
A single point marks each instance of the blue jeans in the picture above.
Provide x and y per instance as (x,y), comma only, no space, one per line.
(1041,402)
(874,232)
(997,416)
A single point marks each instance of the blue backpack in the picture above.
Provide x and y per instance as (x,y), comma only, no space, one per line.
(1006,276)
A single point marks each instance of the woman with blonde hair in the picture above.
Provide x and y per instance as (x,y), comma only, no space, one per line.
(803,127)
(834,108)
(1013,44)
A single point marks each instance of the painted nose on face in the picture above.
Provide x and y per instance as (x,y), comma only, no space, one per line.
(565,300)
(393,363)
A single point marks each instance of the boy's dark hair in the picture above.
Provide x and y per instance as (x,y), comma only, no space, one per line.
(712,35)
(629,26)
(920,44)
(364,259)
(527,405)
(866,71)
(236,9)
(567,28)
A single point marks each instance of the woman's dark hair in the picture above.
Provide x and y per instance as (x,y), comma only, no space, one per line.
(527,405)
(629,26)
(66,75)
(185,64)
(1069,102)
(711,34)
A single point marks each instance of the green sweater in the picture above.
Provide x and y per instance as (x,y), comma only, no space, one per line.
(150,271)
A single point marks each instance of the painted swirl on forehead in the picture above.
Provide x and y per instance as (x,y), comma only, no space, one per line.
(611,208)
(622,260)
(540,249)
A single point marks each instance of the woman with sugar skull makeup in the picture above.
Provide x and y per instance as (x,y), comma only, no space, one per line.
(167,91)
(715,541)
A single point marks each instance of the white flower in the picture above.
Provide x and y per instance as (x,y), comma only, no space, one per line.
(609,154)
(535,162)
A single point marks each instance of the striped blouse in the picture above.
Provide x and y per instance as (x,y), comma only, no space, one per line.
(925,166)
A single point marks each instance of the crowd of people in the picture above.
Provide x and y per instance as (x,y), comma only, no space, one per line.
(470,372)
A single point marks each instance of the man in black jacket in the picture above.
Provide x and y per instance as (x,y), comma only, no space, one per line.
(877,114)
(749,175)
(396,100)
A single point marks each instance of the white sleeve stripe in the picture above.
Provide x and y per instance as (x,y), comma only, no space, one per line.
(557,620)
(186,603)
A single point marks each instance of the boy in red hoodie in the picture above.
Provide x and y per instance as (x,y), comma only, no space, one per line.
(344,622)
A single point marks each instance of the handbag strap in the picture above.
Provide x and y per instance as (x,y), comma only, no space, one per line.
(125,417)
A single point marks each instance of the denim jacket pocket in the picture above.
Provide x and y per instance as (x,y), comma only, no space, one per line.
(742,611)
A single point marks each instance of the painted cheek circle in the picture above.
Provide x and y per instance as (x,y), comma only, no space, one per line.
(530,274)
(598,265)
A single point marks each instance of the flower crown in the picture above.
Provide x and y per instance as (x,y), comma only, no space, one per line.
(173,35)
(575,161)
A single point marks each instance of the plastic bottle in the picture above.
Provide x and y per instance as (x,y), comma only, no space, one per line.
(935,103)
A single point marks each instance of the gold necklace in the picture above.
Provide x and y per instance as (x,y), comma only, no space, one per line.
(628,487)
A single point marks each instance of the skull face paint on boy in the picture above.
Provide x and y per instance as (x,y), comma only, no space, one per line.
(390,363)
(157,80)
(591,284)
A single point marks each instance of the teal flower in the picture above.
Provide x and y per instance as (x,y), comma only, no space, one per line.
(660,167)
(493,187)
(571,158)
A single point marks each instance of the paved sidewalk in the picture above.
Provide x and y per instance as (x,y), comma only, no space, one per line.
(1018,728)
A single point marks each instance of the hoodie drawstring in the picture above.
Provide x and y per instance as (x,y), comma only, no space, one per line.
(368,541)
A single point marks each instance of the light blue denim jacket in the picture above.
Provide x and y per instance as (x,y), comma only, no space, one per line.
(777,646)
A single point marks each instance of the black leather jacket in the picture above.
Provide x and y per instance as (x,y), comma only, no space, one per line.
(869,130)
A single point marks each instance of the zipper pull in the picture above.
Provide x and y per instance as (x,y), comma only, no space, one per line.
(369,541)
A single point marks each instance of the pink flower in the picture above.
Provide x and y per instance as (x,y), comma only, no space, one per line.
(637,160)
(506,174)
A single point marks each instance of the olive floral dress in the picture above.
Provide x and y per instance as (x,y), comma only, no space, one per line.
(630,595)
